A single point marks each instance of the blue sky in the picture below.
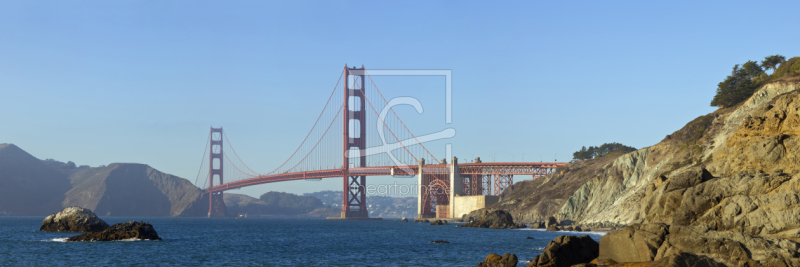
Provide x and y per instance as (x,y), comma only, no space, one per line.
(97,82)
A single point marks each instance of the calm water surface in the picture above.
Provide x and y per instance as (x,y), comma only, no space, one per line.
(272,241)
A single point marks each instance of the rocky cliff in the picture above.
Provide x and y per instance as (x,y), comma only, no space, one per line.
(758,135)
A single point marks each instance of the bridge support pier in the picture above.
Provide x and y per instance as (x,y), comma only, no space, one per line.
(456,185)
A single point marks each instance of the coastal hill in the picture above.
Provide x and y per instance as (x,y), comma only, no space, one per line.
(757,134)
(29,185)
(41,187)
(317,204)
(271,203)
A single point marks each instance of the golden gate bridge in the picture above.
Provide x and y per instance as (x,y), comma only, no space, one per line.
(339,146)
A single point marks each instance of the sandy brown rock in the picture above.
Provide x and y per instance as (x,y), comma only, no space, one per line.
(755,203)
(120,231)
(766,141)
(73,219)
(494,260)
(633,243)
(655,242)
(567,251)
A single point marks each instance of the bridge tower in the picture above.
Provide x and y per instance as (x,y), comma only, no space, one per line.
(215,154)
(355,127)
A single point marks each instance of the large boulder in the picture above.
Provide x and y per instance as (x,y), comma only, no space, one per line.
(752,202)
(494,260)
(496,219)
(73,219)
(655,242)
(566,251)
(633,243)
(120,231)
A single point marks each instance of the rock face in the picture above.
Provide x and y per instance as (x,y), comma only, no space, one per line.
(760,134)
(655,242)
(73,219)
(497,219)
(404,219)
(120,231)
(567,251)
(753,203)
(494,260)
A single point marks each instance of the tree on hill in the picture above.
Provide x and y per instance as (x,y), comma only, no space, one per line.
(771,62)
(738,86)
(596,152)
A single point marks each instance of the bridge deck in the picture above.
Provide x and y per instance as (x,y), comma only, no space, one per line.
(484,168)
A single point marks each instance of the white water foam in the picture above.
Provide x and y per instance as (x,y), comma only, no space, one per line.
(63,239)
(568,232)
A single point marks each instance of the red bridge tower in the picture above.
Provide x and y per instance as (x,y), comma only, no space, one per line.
(354,191)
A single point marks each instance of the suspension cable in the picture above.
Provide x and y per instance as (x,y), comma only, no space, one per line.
(203,160)
(312,128)
(401,121)
(237,156)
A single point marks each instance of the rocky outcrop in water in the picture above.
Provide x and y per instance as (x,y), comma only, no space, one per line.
(120,231)
(494,260)
(496,219)
(73,219)
(567,251)
(439,222)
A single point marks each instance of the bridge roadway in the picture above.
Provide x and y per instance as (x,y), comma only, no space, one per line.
(483,168)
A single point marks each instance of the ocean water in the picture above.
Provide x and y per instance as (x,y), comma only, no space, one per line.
(273,242)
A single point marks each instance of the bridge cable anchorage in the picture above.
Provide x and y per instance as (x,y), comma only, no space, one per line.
(203,160)
(398,118)
(312,128)
(237,156)
(384,123)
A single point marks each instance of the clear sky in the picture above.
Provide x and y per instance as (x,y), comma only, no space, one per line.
(97,82)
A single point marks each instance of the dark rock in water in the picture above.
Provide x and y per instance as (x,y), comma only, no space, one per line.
(567,251)
(497,219)
(551,221)
(531,238)
(440,242)
(439,222)
(569,228)
(578,229)
(404,219)
(587,230)
(553,228)
(494,260)
(120,231)
(73,219)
